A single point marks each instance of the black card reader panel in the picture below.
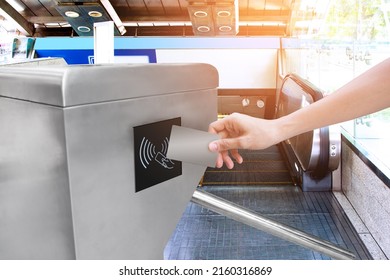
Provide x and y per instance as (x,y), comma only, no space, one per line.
(150,148)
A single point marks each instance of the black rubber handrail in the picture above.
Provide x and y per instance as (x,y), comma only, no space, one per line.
(309,88)
(322,167)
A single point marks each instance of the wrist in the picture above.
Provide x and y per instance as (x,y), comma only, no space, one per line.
(286,128)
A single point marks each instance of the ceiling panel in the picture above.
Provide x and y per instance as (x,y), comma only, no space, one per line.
(38,8)
(173,7)
(137,8)
(168,17)
(154,7)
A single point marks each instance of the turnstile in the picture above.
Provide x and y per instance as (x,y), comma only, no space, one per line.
(83,172)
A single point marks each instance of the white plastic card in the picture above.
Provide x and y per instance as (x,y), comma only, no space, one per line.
(191,145)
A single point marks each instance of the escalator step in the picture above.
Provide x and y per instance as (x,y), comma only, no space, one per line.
(265,167)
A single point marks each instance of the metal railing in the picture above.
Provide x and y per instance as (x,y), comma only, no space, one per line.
(253,219)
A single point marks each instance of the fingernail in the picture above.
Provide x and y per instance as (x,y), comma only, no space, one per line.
(213,147)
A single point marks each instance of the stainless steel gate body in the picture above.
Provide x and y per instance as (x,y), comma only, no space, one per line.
(67,158)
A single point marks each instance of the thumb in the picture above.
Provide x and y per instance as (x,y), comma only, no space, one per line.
(223,145)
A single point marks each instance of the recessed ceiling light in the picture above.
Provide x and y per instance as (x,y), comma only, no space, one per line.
(200,14)
(72,14)
(95,14)
(225,28)
(224,14)
(203,28)
(83,28)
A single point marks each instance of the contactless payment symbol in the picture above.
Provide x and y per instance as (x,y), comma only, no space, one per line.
(147,153)
(150,149)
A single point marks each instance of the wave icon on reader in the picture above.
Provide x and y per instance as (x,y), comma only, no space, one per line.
(147,154)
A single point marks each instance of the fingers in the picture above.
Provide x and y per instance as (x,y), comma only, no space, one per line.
(229,141)
(217,126)
(219,162)
(223,157)
(236,155)
(223,153)
(227,160)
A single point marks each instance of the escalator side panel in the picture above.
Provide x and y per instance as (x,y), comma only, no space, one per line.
(311,156)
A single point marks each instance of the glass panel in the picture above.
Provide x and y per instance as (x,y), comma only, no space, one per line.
(354,37)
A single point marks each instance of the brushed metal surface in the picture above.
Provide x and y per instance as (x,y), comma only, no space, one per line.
(35,207)
(86,84)
(67,182)
(111,220)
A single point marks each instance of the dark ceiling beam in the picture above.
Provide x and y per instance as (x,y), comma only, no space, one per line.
(156,19)
(47,19)
(159,31)
(185,31)
(54,31)
(24,26)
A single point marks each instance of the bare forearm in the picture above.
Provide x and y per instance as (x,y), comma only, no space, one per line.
(368,93)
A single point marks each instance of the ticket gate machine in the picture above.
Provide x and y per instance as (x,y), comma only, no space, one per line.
(83,173)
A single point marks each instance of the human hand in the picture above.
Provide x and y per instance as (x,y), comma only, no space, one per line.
(239,131)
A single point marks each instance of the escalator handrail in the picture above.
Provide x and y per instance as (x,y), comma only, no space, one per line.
(322,167)
(310,88)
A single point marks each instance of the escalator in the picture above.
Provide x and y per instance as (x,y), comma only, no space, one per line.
(260,168)
(290,183)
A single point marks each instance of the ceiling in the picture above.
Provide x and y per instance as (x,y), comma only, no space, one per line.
(42,18)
